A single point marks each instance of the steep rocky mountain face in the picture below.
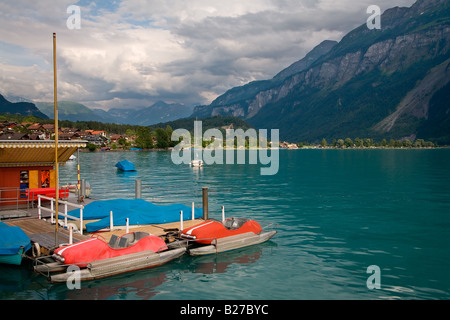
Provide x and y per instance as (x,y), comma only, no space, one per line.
(386,83)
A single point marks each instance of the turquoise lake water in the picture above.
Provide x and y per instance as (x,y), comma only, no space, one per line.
(337,212)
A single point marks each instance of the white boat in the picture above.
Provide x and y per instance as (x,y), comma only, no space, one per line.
(74,189)
(197,163)
(232,243)
(213,236)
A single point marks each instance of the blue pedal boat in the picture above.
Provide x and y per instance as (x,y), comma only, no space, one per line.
(125,165)
(13,244)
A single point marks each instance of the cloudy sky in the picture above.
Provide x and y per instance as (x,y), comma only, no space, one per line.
(132,53)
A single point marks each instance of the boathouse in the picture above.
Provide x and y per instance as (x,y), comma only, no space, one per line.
(27,165)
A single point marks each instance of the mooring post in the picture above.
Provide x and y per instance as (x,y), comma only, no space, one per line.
(223,213)
(181,221)
(39,207)
(82,190)
(138,187)
(111,223)
(70,234)
(205,203)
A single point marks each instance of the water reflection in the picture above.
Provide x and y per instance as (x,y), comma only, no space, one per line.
(140,285)
(220,263)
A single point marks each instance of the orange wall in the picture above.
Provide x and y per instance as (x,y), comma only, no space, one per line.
(10,178)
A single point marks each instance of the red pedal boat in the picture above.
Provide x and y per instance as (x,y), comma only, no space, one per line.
(211,230)
(84,252)
(233,233)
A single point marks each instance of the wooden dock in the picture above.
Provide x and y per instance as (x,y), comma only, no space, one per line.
(43,233)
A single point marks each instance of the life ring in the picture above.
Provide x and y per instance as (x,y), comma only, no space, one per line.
(74,227)
(36,250)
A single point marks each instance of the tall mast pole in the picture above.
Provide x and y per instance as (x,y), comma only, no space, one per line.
(56,140)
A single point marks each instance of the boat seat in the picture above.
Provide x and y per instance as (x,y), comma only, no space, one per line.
(234,223)
(124,242)
(113,241)
(138,235)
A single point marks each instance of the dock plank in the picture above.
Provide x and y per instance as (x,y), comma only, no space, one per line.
(33,226)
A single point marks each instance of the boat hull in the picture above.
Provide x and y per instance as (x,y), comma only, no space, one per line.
(13,244)
(114,266)
(232,243)
(14,259)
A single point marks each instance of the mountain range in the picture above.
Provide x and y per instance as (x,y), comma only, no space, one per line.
(156,113)
(22,108)
(392,82)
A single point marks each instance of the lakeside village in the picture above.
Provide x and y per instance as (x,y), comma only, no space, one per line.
(56,227)
(140,138)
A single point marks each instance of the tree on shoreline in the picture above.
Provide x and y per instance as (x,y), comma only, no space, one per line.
(144,139)
(370,143)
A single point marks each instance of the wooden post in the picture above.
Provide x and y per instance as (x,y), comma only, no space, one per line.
(81,221)
(39,207)
(70,234)
(138,188)
(181,220)
(82,190)
(65,214)
(56,138)
(51,211)
(205,203)
(78,173)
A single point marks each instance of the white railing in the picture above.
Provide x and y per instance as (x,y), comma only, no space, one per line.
(11,197)
(65,215)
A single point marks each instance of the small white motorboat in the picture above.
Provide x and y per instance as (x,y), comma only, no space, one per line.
(197,163)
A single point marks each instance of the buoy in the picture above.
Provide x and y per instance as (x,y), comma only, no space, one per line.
(36,250)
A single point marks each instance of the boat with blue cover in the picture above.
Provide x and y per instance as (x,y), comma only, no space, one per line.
(125,165)
(13,244)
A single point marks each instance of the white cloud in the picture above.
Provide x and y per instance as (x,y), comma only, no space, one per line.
(173,50)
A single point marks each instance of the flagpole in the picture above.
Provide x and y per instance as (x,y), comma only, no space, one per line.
(56,140)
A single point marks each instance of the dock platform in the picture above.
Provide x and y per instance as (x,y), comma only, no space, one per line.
(41,231)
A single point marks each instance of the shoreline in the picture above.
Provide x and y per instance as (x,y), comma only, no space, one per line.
(299,148)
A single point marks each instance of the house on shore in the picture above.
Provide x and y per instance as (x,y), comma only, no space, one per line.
(29,164)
